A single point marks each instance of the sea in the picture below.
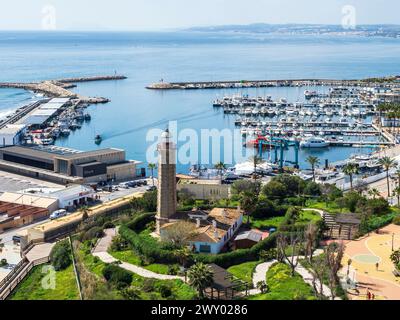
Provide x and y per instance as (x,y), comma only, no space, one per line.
(147,57)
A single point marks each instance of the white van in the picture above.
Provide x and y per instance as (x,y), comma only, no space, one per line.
(58,214)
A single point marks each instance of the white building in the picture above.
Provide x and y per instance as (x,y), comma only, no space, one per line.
(67,198)
(12,134)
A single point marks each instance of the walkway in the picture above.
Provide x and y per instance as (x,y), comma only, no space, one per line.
(101,252)
(40,251)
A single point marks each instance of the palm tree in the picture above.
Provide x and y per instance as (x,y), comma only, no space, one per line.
(397,174)
(183,255)
(374,193)
(220,166)
(248,202)
(85,213)
(152,167)
(314,162)
(350,169)
(396,193)
(256,160)
(200,277)
(387,163)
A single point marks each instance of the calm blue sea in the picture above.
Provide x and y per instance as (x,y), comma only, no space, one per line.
(148,57)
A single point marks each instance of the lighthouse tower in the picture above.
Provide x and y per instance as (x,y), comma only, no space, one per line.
(166,199)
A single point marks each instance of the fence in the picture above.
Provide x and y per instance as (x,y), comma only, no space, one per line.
(17,275)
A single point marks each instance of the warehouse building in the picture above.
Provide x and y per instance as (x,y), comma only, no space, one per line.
(12,134)
(17,209)
(63,165)
(44,112)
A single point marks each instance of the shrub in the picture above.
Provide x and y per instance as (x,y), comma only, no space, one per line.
(275,190)
(312,189)
(3,263)
(117,276)
(139,222)
(60,255)
(93,233)
(108,225)
(245,185)
(378,206)
(165,291)
(396,220)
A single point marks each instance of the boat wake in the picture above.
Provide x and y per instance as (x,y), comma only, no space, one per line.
(164,121)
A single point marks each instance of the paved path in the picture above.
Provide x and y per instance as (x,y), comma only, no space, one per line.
(100,251)
(308,278)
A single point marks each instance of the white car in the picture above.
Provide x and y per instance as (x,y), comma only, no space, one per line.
(58,214)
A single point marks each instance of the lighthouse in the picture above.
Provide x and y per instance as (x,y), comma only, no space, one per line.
(166,198)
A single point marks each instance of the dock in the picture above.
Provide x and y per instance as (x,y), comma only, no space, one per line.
(237,84)
(60,87)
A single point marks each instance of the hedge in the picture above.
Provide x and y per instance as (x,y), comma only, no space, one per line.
(160,255)
(139,223)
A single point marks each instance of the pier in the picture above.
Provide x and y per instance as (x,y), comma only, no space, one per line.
(60,87)
(237,84)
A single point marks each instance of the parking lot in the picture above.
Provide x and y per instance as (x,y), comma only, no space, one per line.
(120,191)
(12,182)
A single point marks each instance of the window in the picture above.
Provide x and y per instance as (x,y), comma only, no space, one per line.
(205,248)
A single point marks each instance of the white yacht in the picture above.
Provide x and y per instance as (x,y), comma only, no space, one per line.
(314,142)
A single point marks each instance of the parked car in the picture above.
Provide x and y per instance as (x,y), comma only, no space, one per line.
(151,188)
(16,239)
(132,184)
(58,214)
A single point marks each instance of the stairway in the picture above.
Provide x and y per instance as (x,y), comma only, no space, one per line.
(337,231)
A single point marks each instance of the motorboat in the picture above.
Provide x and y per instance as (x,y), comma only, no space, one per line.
(314,142)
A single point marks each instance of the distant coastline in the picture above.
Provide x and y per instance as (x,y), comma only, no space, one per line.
(384,30)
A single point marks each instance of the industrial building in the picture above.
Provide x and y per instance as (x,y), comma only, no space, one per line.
(20,208)
(65,166)
(44,112)
(12,134)
(17,209)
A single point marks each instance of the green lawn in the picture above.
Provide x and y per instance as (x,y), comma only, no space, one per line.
(244,271)
(31,288)
(309,216)
(283,286)
(130,257)
(328,207)
(149,288)
(273,222)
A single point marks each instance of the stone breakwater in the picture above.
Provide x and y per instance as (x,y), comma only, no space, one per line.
(60,87)
(162,85)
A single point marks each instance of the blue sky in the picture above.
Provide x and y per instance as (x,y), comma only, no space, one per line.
(170,14)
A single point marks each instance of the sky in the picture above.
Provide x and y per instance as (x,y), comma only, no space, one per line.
(103,15)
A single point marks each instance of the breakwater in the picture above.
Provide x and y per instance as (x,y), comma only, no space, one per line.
(162,85)
(60,87)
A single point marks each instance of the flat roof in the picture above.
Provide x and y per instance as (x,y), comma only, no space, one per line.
(92,153)
(72,191)
(44,112)
(12,128)
(30,152)
(59,153)
(28,199)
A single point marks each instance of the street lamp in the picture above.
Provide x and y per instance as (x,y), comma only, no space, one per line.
(392,242)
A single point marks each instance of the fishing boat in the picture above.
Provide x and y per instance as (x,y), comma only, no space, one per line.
(98,139)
